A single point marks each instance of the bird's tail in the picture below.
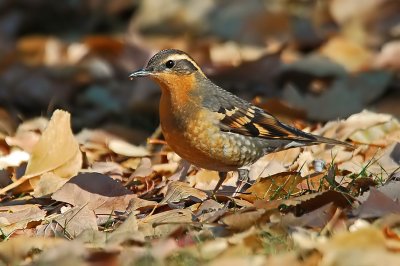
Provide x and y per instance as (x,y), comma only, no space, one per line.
(319,139)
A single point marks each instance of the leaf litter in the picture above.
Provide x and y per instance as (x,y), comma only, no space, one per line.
(120,206)
(101,197)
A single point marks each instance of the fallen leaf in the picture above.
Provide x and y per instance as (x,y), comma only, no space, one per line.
(127,231)
(164,223)
(391,189)
(48,183)
(211,249)
(76,220)
(177,191)
(376,205)
(17,217)
(266,166)
(316,219)
(385,163)
(376,134)
(243,220)
(138,203)
(56,151)
(365,246)
(63,254)
(143,169)
(208,210)
(97,192)
(309,202)
(204,179)
(15,250)
(126,149)
(314,182)
(250,260)
(273,187)
(360,122)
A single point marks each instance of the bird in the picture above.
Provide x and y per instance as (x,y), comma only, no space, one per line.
(212,128)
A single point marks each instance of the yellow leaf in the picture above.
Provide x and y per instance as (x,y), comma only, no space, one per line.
(57,150)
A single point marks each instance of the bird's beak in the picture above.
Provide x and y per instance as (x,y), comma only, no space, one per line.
(140,73)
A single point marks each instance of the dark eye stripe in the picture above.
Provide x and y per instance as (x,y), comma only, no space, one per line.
(186,64)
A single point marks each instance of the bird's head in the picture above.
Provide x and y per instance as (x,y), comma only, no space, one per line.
(171,69)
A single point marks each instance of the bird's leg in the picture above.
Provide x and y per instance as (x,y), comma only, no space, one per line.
(184,168)
(243,178)
(222,177)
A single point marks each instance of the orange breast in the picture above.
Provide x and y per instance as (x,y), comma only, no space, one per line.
(198,140)
(193,132)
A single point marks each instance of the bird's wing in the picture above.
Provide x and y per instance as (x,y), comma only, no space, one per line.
(240,117)
(255,122)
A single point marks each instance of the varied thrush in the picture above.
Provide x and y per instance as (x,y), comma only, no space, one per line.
(210,127)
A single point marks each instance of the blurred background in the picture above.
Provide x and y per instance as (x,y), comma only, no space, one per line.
(303,60)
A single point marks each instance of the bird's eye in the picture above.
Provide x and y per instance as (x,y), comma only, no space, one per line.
(170,64)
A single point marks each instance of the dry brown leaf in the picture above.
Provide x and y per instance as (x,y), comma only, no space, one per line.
(355,165)
(126,149)
(336,154)
(376,135)
(56,151)
(309,202)
(56,147)
(15,250)
(315,219)
(64,254)
(112,169)
(359,122)
(204,179)
(314,182)
(163,223)
(243,220)
(304,163)
(48,183)
(94,143)
(273,187)
(17,217)
(76,220)
(244,260)
(384,162)
(211,249)
(127,231)
(293,259)
(138,203)
(376,205)
(97,192)
(266,167)
(166,167)
(143,169)
(366,246)
(178,191)
(208,210)
(27,134)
